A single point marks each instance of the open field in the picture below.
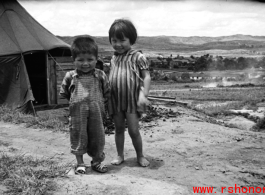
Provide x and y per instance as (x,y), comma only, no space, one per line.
(249,75)
(211,94)
(206,97)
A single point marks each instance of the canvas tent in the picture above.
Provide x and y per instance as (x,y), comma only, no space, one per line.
(26,48)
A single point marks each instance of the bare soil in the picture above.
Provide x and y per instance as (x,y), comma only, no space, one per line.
(185,151)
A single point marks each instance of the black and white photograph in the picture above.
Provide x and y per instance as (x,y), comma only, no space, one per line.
(132,97)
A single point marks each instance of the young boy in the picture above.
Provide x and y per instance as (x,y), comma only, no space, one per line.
(87,90)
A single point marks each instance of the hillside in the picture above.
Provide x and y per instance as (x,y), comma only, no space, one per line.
(244,44)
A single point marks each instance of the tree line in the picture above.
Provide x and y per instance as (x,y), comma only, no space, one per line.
(208,62)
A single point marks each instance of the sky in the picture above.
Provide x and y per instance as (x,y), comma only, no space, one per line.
(184,18)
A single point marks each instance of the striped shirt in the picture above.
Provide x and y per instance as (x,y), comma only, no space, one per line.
(125,81)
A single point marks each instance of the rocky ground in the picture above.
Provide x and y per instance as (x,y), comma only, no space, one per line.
(184,147)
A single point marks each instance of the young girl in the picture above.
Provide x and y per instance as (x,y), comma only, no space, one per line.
(130,82)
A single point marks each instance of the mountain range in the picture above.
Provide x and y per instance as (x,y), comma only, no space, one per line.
(233,45)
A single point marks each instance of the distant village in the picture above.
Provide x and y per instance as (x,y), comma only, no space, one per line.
(203,68)
(203,63)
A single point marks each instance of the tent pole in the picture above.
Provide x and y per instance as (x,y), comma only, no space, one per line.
(48,78)
(34,112)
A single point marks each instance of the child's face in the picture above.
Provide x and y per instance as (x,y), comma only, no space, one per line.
(85,62)
(121,45)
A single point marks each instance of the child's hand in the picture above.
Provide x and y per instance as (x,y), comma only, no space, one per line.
(142,100)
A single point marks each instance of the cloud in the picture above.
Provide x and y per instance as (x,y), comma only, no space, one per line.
(175,18)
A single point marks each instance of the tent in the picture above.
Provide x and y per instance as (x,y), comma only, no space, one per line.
(26,49)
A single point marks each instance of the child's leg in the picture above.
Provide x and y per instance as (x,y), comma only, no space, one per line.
(133,127)
(96,138)
(78,130)
(80,168)
(119,121)
(79,159)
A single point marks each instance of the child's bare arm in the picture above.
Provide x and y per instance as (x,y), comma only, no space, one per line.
(143,94)
(146,81)
(145,77)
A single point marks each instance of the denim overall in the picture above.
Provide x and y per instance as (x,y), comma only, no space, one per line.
(86,108)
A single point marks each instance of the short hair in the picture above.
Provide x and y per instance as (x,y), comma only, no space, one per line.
(84,44)
(121,28)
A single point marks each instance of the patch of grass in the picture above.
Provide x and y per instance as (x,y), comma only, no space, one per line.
(260,125)
(223,94)
(218,108)
(22,174)
(42,122)
(3,143)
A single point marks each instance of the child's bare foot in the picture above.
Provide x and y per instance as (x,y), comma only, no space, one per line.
(143,162)
(118,160)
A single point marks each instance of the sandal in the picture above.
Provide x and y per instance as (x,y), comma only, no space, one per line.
(101,168)
(80,169)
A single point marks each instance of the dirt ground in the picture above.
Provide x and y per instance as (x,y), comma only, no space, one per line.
(185,151)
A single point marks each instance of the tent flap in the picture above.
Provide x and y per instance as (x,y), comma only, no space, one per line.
(14,82)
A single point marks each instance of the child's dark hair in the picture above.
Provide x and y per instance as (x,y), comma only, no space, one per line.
(84,44)
(121,28)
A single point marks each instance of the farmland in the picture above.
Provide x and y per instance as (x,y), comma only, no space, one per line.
(213,101)
(215,92)
(210,94)
(211,85)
